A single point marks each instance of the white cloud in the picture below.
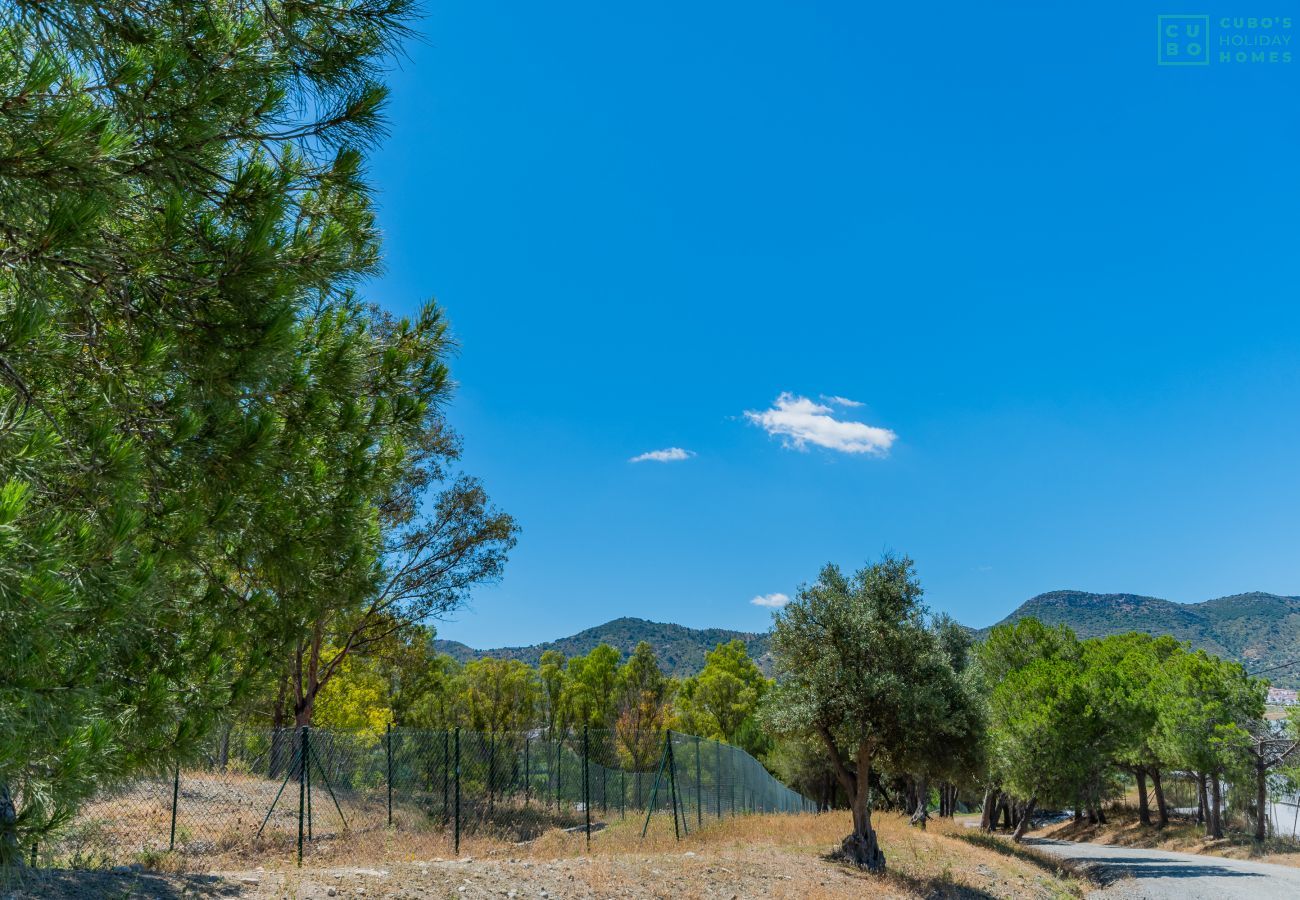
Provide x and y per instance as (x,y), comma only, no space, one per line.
(670,454)
(841,401)
(771,601)
(800,421)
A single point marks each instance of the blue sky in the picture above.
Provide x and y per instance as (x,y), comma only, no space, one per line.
(1060,279)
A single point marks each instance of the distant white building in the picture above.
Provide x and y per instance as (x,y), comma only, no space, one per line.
(1282,697)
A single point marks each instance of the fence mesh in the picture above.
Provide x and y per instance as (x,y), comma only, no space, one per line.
(265,794)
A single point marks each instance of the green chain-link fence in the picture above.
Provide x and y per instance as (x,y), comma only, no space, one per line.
(261,793)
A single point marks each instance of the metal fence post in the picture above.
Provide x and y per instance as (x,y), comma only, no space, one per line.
(672,784)
(559,771)
(528,775)
(176,793)
(492,768)
(389,775)
(699,805)
(306,774)
(654,793)
(303,745)
(586,785)
(717,776)
(457,829)
(622,793)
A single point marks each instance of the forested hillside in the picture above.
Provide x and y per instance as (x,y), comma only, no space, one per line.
(1260,630)
(680,649)
(1257,629)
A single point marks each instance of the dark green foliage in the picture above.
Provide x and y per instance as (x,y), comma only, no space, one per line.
(864,670)
(183,217)
(1068,718)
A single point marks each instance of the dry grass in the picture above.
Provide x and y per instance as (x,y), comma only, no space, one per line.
(779,856)
(752,856)
(1182,834)
(513,848)
(219,816)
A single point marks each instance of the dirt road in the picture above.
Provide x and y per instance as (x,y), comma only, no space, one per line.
(1130,874)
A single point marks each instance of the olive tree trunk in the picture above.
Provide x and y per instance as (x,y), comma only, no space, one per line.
(1023,825)
(989,809)
(921,813)
(862,848)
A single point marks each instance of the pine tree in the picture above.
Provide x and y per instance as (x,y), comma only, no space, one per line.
(183,219)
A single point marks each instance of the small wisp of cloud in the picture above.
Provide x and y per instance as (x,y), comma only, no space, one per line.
(668,454)
(771,601)
(799,421)
(842,401)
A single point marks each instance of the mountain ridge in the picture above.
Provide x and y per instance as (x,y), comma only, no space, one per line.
(1256,628)
(680,648)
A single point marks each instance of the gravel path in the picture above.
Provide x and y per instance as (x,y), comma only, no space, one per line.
(1164,875)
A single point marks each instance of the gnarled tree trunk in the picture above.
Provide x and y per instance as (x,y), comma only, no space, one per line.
(1026,814)
(861,848)
(988,811)
(921,813)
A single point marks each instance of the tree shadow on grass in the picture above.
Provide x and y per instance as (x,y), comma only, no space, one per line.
(1053,865)
(82,884)
(937,888)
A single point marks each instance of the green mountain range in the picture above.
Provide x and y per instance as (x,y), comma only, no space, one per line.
(680,649)
(1259,630)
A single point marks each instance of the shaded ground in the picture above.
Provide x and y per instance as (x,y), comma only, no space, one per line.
(753,856)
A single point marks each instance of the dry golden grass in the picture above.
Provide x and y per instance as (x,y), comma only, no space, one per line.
(790,856)
(774,856)
(219,817)
(755,855)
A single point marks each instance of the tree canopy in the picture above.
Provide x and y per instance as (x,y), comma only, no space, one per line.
(864,671)
(215,457)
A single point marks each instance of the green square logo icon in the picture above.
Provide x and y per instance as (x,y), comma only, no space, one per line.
(1182,40)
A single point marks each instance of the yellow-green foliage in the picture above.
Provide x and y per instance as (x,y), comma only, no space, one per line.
(356,698)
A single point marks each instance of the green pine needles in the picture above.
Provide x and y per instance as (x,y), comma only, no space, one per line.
(210,446)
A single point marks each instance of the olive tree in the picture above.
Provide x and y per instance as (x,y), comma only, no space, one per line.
(861,669)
